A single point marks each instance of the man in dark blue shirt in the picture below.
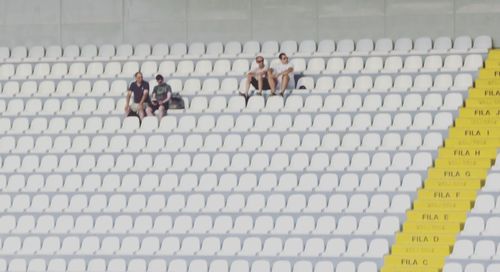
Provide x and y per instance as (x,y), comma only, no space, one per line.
(140,89)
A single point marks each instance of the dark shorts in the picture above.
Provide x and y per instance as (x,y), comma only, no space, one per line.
(155,107)
(265,83)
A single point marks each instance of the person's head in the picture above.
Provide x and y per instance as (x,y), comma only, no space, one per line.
(283,58)
(260,61)
(159,79)
(138,77)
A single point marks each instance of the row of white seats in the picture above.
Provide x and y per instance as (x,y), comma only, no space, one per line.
(250,48)
(180,265)
(228,123)
(195,203)
(218,104)
(209,182)
(479,226)
(392,64)
(206,225)
(340,161)
(354,65)
(451,266)
(479,250)
(211,143)
(229,86)
(194,246)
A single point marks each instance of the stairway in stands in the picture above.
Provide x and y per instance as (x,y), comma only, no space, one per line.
(460,170)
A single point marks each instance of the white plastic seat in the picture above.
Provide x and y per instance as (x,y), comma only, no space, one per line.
(325,47)
(232,48)
(482,44)
(353,65)
(473,63)
(178,49)
(442,44)
(384,45)
(463,249)
(423,44)
(334,66)
(373,65)
(196,49)
(345,46)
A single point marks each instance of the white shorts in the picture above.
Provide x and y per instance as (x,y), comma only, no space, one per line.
(134,106)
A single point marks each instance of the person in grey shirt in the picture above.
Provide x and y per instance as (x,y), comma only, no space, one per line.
(160,98)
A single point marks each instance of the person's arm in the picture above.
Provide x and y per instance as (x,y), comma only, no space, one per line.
(143,99)
(127,100)
(153,98)
(169,95)
(271,71)
(153,95)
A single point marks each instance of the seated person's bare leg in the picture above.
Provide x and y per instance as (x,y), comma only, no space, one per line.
(284,83)
(141,114)
(260,82)
(247,83)
(161,111)
(272,82)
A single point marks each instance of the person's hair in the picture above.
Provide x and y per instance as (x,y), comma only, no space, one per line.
(281,55)
(137,73)
(259,57)
(159,77)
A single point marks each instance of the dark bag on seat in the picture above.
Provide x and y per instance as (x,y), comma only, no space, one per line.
(176,102)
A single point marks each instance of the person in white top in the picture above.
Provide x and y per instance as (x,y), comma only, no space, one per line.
(257,77)
(281,75)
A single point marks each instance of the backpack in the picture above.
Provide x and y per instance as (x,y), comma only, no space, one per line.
(176,102)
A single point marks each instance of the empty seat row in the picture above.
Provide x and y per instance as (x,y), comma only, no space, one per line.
(230,143)
(476,250)
(250,48)
(229,86)
(206,225)
(196,203)
(228,123)
(359,161)
(385,83)
(193,246)
(451,266)
(239,67)
(480,226)
(393,64)
(247,182)
(178,264)
(217,104)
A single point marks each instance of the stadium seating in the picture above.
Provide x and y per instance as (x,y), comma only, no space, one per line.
(318,180)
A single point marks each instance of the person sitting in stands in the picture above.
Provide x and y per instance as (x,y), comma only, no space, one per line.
(160,98)
(140,89)
(257,77)
(281,75)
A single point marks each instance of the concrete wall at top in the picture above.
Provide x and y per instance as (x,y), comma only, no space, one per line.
(65,22)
